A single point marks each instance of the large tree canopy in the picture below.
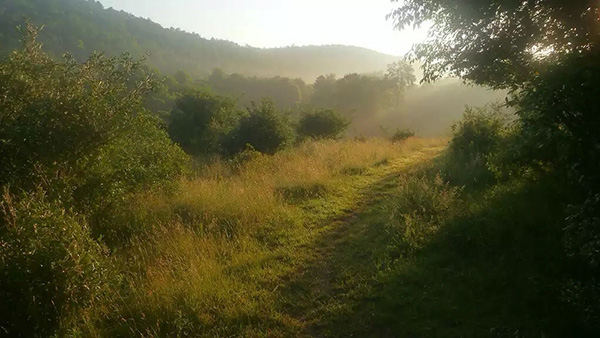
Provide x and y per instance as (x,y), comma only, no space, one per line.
(500,43)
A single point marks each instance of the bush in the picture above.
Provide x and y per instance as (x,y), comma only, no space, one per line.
(144,158)
(79,131)
(201,121)
(582,235)
(421,208)
(51,268)
(266,130)
(55,114)
(476,137)
(323,124)
(401,135)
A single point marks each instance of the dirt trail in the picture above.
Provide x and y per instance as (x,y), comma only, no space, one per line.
(334,288)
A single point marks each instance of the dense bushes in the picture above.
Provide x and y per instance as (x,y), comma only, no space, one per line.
(560,122)
(422,206)
(322,124)
(550,137)
(582,235)
(475,139)
(201,121)
(59,119)
(401,135)
(50,266)
(75,142)
(265,129)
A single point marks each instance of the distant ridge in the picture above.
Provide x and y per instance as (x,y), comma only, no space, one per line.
(83,26)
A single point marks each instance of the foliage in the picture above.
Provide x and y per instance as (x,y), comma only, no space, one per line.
(201,121)
(497,42)
(79,130)
(75,143)
(264,128)
(80,27)
(401,135)
(322,124)
(422,205)
(401,75)
(546,52)
(475,139)
(558,114)
(286,93)
(54,114)
(51,268)
(583,245)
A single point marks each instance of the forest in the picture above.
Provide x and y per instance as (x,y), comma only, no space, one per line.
(82,27)
(184,194)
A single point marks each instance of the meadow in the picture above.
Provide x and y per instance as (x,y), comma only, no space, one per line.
(124,212)
(223,244)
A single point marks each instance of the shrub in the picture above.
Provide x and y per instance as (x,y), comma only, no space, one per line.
(401,135)
(144,158)
(323,124)
(475,138)
(80,131)
(200,122)
(51,268)
(420,209)
(55,114)
(582,235)
(265,129)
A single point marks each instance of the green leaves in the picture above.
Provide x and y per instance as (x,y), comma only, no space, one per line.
(51,268)
(264,128)
(498,43)
(323,124)
(201,121)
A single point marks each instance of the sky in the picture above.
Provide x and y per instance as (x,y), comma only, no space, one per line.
(279,23)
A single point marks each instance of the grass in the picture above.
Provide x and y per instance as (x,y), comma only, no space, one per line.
(217,254)
(297,245)
(491,265)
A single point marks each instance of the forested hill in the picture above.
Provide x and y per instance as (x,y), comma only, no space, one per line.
(81,27)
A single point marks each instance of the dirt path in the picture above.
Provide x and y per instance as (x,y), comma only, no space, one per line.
(333,292)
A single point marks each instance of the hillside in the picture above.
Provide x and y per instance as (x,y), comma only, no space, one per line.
(81,27)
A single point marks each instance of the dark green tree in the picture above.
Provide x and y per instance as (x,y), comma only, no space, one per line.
(323,124)
(263,128)
(499,43)
(546,52)
(200,121)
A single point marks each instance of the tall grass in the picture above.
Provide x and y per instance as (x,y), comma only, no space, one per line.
(212,254)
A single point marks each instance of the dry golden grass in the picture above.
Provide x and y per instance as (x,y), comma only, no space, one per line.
(220,244)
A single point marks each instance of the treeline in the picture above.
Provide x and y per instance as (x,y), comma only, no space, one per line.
(81,27)
(205,124)
(375,104)
(285,75)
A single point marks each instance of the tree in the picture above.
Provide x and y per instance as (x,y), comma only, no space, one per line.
(324,91)
(200,121)
(402,76)
(323,124)
(264,128)
(182,77)
(500,43)
(546,52)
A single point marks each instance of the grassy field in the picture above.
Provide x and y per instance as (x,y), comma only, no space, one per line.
(337,239)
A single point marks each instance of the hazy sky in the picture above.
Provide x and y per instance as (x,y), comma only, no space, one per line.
(277,23)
